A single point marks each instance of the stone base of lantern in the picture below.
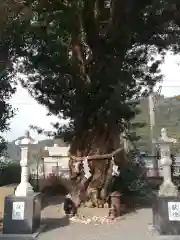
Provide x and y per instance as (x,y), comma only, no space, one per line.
(22,216)
(24,189)
(166,214)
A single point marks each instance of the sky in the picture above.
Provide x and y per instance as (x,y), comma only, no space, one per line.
(31,113)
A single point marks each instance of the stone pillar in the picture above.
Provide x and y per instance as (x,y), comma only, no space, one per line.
(167,188)
(24,188)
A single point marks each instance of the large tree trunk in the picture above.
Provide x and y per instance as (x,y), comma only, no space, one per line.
(95,189)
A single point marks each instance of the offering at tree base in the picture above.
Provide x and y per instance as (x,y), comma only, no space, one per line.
(96,220)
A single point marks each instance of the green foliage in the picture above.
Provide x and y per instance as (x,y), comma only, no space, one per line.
(7,85)
(6,111)
(9,173)
(132,181)
(86,62)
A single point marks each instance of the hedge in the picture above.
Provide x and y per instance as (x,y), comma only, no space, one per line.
(9,173)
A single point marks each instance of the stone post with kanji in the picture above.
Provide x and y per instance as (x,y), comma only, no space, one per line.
(22,211)
(167,187)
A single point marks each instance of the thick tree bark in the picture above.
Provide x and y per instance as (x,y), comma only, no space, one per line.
(93,189)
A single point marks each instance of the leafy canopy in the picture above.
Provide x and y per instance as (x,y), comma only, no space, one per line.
(90,60)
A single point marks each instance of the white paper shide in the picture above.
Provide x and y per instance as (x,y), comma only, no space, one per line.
(87,173)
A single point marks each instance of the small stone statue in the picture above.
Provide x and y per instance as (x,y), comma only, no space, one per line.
(69,206)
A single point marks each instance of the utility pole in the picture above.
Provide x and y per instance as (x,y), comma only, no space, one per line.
(152,130)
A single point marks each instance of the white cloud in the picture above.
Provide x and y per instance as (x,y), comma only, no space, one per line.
(30,113)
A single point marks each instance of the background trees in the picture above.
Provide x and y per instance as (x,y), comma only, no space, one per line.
(7,84)
(6,111)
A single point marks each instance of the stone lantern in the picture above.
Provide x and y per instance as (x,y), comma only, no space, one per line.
(22,211)
(24,188)
(167,188)
(166,203)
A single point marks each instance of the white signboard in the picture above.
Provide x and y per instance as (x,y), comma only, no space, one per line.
(18,211)
(174,211)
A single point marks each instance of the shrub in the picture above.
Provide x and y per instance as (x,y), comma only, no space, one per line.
(132,182)
(9,173)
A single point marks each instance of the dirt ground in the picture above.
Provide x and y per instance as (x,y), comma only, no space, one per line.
(132,226)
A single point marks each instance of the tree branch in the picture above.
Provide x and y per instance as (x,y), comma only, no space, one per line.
(90,24)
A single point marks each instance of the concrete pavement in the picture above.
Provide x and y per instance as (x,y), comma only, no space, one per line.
(135,226)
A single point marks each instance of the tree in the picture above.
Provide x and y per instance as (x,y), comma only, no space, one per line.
(7,84)
(89,61)
(6,111)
